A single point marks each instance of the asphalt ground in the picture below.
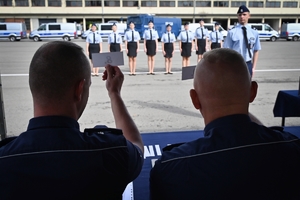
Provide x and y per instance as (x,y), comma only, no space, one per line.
(157,103)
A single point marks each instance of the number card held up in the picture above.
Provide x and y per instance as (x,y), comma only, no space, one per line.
(109,58)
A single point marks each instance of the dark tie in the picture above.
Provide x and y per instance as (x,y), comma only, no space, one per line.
(115,37)
(217,40)
(169,37)
(94,37)
(187,37)
(246,40)
(132,39)
(202,32)
(150,34)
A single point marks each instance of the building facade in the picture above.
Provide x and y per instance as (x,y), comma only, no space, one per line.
(36,12)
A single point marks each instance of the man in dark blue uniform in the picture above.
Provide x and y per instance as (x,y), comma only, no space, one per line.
(237,158)
(53,159)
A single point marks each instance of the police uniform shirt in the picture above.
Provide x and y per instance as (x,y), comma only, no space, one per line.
(90,38)
(66,162)
(213,37)
(165,37)
(198,33)
(186,36)
(147,34)
(128,36)
(235,40)
(112,38)
(235,152)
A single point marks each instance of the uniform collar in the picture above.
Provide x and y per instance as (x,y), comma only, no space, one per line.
(52,122)
(247,25)
(236,120)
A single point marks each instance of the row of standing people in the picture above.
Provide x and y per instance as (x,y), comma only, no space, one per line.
(168,39)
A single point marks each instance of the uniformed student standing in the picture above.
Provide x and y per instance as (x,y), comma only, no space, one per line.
(114,40)
(168,40)
(94,45)
(201,40)
(150,46)
(186,44)
(244,39)
(216,37)
(132,38)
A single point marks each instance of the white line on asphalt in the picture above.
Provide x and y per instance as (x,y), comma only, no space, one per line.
(176,72)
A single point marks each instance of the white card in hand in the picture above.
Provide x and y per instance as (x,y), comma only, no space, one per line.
(109,58)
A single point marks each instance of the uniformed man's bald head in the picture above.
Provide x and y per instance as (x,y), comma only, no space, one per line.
(222,83)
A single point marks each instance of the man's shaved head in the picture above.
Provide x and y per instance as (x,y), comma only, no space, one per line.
(55,68)
(222,82)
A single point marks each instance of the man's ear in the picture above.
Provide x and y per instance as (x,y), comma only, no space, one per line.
(195,100)
(79,90)
(253,91)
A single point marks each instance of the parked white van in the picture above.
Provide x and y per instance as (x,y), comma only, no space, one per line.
(290,31)
(265,31)
(104,29)
(14,31)
(65,31)
(210,27)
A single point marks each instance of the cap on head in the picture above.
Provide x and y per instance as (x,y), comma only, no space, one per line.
(217,24)
(168,25)
(150,22)
(186,23)
(201,20)
(94,24)
(243,9)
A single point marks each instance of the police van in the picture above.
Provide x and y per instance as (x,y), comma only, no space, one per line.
(210,27)
(290,31)
(14,31)
(65,31)
(265,31)
(105,30)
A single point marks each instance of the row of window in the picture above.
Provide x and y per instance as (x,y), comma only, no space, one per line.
(127,3)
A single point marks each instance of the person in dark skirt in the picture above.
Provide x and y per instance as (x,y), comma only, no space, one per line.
(216,37)
(201,40)
(94,45)
(114,40)
(186,44)
(132,39)
(150,45)
(168,40)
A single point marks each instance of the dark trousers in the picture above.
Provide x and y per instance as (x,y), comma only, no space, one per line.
(250,66)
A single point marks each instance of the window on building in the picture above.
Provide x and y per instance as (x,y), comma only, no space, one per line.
(112,3)
(130,3)
(5,2)
(27,23)
(38,2)
(290,4)
(149,3)
(89,3)
(203,3)
(185,4)
(259,4)
(221,3)
(2,27)
(54,3)
(166,3)
(21,2)
(237,3)
(273,4)
(73,3)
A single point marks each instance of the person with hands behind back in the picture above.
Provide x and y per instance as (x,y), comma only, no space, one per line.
(168,40)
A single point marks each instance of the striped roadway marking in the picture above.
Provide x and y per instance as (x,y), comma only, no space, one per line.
(177,72)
